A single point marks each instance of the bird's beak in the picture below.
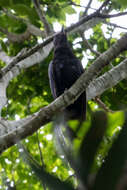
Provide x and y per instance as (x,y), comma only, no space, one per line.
(63,30)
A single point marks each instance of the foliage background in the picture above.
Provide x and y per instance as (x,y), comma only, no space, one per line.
(30,91)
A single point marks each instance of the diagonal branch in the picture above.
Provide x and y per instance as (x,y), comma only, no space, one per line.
(88,45)
(104,4)
(100,15)
(12,37)
(77,5)
(25,127)
(87,7)
(37,57)
(42,17)
(96,14)
(21,56)
(18,130)
(107,80)
(102,105)
(114,25)
(33,30)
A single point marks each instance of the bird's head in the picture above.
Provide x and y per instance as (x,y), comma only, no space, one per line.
(60,39)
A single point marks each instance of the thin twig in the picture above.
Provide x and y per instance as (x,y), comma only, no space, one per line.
(88,45)
(87,7)
(21,56)
(96,14)
(103,5)
(111,15)
(41,157)
(77,5)
(28,155)
(42,17)
(114,25)
(102,105)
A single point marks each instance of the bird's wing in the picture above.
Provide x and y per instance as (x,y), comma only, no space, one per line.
(51,80)
(75,69)
(80,66)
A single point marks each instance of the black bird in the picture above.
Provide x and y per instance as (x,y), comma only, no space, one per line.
(63,71)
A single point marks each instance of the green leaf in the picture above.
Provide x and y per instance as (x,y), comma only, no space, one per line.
(110,172)
(4,3)
(21,9)
(115,121)
(70,10)
(123,3)
(76,1)
(24,10)
(3,45)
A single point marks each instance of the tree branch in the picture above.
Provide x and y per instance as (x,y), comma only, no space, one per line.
(14,71)
(25,127)
(112,15)
(88,45)
(114,25)
(33,30)
(104,4)
(101,104)
(42,17)
(87,7)
(16,37)
(108,80)
(21,56)
(77,5)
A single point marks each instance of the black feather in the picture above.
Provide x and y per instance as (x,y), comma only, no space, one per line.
(63,71)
